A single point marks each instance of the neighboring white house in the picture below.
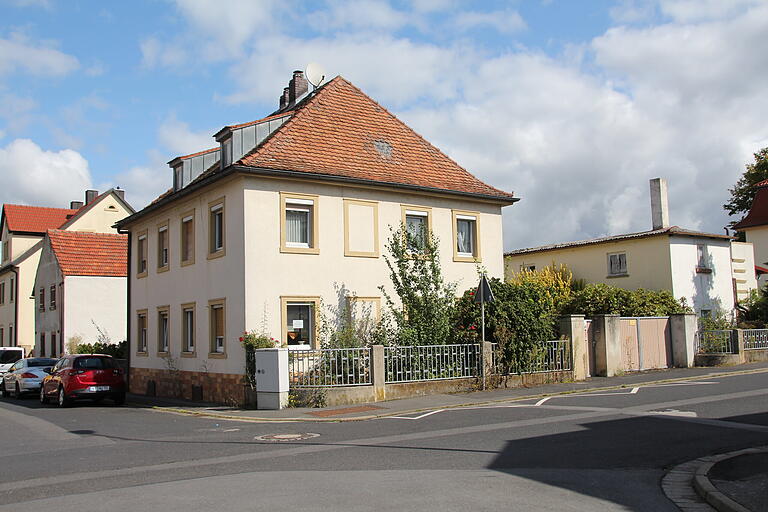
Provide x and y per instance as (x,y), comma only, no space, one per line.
(80,290)
(22,229)
(704,268)
(292,219)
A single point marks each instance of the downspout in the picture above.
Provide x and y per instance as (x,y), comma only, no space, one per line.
(128,309)
(15,271)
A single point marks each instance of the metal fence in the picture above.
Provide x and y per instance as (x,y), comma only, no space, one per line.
(549,356)
(329,367)
(716,342)
(431,362)
(755,339)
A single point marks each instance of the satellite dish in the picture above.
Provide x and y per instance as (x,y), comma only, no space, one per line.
(315,74)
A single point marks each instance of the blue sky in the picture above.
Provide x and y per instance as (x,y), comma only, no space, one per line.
(572,105)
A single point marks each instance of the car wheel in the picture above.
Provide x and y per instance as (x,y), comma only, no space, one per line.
(63,400)
(43,398)
(119,399)
(17,392)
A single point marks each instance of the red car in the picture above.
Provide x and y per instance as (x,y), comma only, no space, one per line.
(76,376)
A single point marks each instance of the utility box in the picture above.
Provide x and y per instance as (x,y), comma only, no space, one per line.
(271,378)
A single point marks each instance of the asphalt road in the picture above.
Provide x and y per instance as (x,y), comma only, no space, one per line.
(598,451)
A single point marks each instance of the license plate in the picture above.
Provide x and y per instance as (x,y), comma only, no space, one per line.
(98,388)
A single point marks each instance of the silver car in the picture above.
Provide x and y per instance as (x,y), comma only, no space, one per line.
(25,376)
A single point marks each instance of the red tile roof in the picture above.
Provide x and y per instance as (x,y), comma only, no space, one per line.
(35,219)
(758,213)
(90,254)
(342,132)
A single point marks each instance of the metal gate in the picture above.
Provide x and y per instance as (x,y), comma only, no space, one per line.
(646,343)
(589,337)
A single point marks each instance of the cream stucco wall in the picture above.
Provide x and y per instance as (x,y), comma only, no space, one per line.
(758,237)
(743,269)
(25,328)
(703,291)
(90,301)
(100,217)
(254,274)
(49,320)
(647,262)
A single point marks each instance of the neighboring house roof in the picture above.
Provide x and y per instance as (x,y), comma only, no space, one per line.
(670,231)
(34,219)
(760,270)
(90,254)
(339,134)
(758,212)
(85,209)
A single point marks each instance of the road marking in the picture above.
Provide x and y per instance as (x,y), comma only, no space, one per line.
(419,416)
(542,401)
(674,412)
(231,430)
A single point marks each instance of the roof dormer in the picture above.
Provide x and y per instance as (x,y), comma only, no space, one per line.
(187,168)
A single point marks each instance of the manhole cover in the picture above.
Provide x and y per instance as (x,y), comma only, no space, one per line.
(286,437)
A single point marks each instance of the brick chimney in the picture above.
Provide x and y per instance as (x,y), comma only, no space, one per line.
(90,195)
(75,205)
(119,193)
(659,204)
(284,99)
(296,87)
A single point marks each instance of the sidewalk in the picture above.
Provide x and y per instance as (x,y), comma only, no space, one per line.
(431,402)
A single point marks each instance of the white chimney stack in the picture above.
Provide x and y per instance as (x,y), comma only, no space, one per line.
(659,204)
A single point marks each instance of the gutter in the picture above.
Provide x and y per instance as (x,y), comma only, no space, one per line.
(262,171)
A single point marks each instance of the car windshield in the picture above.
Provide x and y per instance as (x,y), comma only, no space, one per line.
(94,363)
(41,361)
(10,356)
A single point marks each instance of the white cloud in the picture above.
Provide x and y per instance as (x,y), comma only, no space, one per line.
(35,176)
(506,22)
(18,53)
(360,14)
(142,184)
(699,10)
(177,137)
(155,54)
(16,111)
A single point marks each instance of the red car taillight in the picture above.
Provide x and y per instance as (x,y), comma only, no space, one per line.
(27,375)
(75,372)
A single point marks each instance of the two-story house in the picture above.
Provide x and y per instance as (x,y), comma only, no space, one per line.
(290,213)
(80,290)
(22,229)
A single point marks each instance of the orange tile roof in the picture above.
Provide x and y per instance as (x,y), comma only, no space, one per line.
(90,254)
(35,219)
(342,132)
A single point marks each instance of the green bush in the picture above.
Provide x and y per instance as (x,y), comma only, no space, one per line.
(603,299)
(116,350)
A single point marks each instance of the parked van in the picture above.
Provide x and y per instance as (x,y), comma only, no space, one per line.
(8,356)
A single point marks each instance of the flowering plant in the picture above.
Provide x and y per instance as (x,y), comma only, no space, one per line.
(254,340)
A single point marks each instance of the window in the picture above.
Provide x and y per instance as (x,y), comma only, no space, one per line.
(41,305)
(188,238)
(2,293)
(141,256)
(53,297)
(177,182)
(11,339)
(226,152)
(12,290)
(53,344)
(141,332)
(162,247)
(418,223)
(217,327)
(2,337)
(6,250)
(162,330)
(216,229)
(188,327)
(702,260)
(42,344)
(361,228)
(706,313)
(298,224)
(299,320)
(527,266)
(617,264)
(466,236)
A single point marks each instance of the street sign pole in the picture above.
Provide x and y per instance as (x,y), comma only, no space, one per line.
(482,345)
(482,295)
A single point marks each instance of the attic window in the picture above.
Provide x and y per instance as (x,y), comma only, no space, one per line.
(111,208)
(383,147)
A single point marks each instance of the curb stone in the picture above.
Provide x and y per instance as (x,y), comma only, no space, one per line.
(262,419)
(709,492)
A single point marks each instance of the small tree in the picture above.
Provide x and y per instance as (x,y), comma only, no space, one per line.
(423,313)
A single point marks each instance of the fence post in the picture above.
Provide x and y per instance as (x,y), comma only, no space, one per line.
(739,346)
(487,361)
(607,345)
(572,326)
(378,375)
(682,329)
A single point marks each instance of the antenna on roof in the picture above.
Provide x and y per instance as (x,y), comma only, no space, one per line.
(315,74)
